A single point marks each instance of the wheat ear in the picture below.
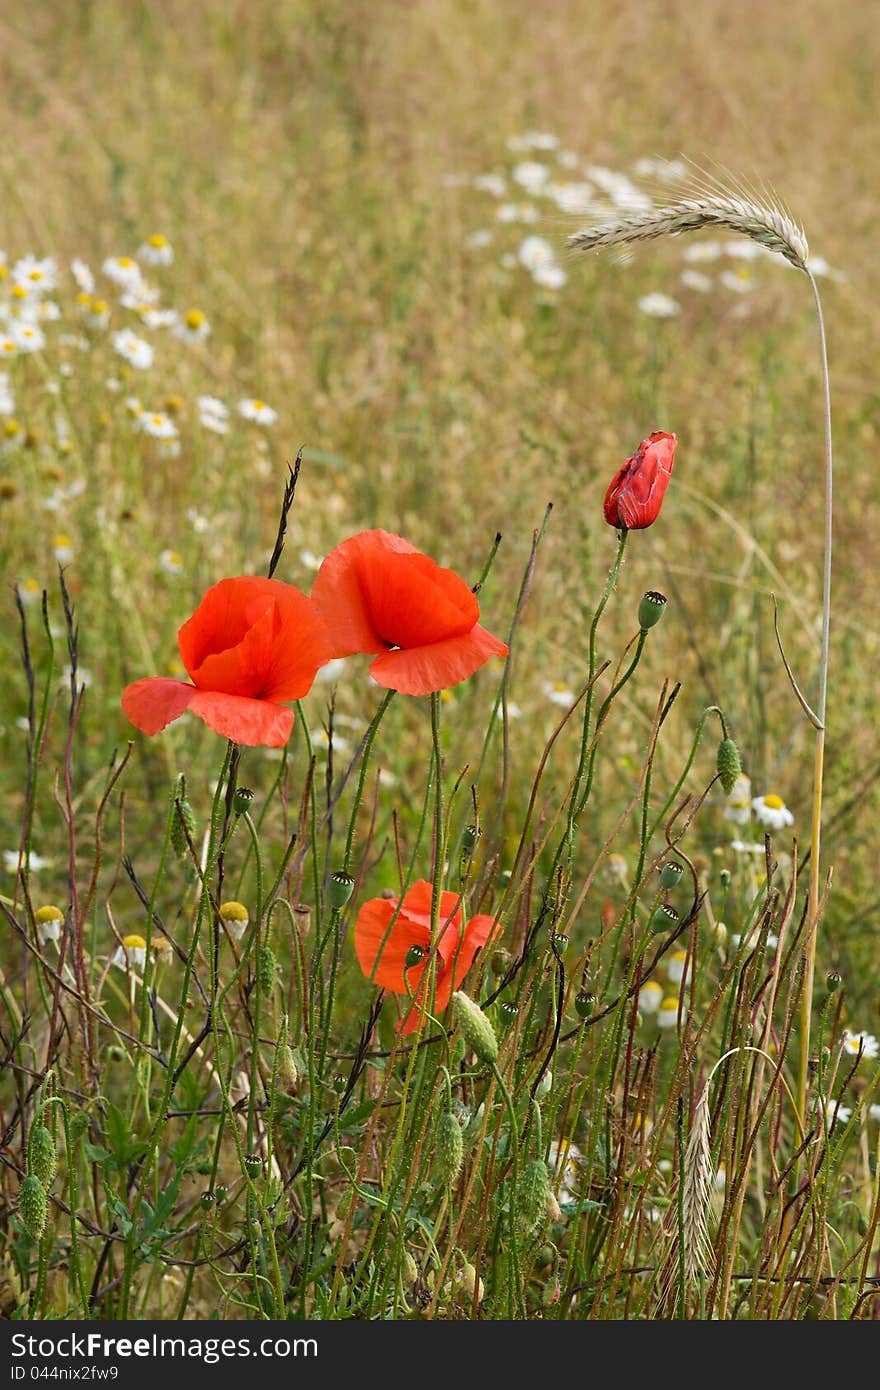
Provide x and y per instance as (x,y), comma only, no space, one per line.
(764,223)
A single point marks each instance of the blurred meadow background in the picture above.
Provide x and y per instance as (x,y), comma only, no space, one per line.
(348,225)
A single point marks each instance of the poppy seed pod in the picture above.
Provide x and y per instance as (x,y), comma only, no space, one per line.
(651,609)
(470,836)
(507,1013)
(670,875)
(414,956)
(584,1003)
(664,918)
(242,799)
(339,889)
(728,764)
(253,1165)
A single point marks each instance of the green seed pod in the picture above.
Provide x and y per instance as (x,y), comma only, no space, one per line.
(253,1165)
(476,1029)
(207,1200)
(532,1196)
(507,1013)
(287,1066)
(833,981)
(670,875)
(664,918)
(560,943)
(414,956)
(183,822)
(651,609)
(728,764)
(42,1155)
(409,1270)
(242,800)
(32,1206)
(450,1147)
(470,836)
(339,890)
(221,1192)
(584,1003)
(267,969)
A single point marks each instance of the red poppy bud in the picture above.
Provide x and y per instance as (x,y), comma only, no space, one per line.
(635,496)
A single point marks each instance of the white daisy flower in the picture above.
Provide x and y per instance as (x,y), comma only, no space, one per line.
(331,671)
(199,523)
(874,1112)
(157,424)
(696,280)
(866,1043)
(41,276)
(12,435)
(7,400)
(125,272)
(558,693)
(48,920)
(517,212)
(743,249)
(772,811)
(29,592)
(133,951)
(491,183)
(739,800)
(678,968)
(737,280)
(192,328)
(8,346)
(650,996)
(95,312)
(170,562)
(48,311)
(667,1014)
(531,176)
(258,411)
(568,159)
(564,1159)
(747,847)
(514,711)
(136,351)
(83,676)
(13,860)
(322,740)
(572,197)
(156,250)
(771,940)
(310,559)
(549,277)
(28,337)
(478,239)
(698,251)
(659,306)
(62,548)
(842,1113)
(85,280)
(213,414)
(535,251)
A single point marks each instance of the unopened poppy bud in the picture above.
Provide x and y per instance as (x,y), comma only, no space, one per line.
(32,1206)
(533,1193)
(414,956)
(241,801)
(651,609)
(234,915)
(476,1029)
(409,1270)
(833,981)
(584,1003)
(499,960)
(544,1086)
(450,1147)
(507,1013)
(728,764)
(253,1165)
(470,1283)
(670,875)
(725,877)
(560,943)
(43,1159)
(554,1210)
(470,836)
(340,889)
(550,1293)
(183,823)
(267,969)
(664,918)
(287,1066)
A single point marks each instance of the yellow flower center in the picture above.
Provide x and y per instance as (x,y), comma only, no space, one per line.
(774,802)
(134,943)
(61,540)
(35,275)
(11,428)
(258,405)
(4,271)
(158,241)
(99,306)
(19,292)
(174,558)
(8,345)
(195,318)
(669,1005)
(125,263)
(49,913)
(31,585)
(234,912)
(84,299)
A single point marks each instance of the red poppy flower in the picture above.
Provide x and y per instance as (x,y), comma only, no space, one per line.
(456,948)
(377,593)
(250,644)
(636,493)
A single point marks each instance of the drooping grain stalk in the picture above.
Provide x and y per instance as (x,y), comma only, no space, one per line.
(772,227)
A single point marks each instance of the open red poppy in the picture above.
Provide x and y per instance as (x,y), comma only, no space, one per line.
(377,593)
(250,644)
(636,493)
(382,953)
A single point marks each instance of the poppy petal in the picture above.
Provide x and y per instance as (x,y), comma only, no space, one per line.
(242,669)
(223,617)
(255,723)
(413,601)
(423,670)
(152,703)
(338,593)
(417,905)
(372,940)
(301,646)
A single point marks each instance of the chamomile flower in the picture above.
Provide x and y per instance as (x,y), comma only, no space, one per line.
(321,740)
(678,968)
(28,337)
(38,275)
(650,996)
(7,399)
(747,847)
(12,435)
(491,183)
(864,1043)
(772,811)
(199,523)
(534,252)
(213,414)
(48,920)
(667,1014)
(874,1112)
(125,272)
(331,671)
(8,346)
(85,280)
(517,212)
(62,548)
(157,424)
(836,1112)
(737,280)
(156,250)
(133,951)
(235,917)
(739,802)
(192,328)
(136,351)
(696,280)
(83,677)
(29,591)
(258,411)
(659,306)
(703,251)
(564,1159)
(558,693)
(531,176)
(478,239)
(96,312)
(771,941)
(171,562)
(13,861)
(575,197)
(549,277)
